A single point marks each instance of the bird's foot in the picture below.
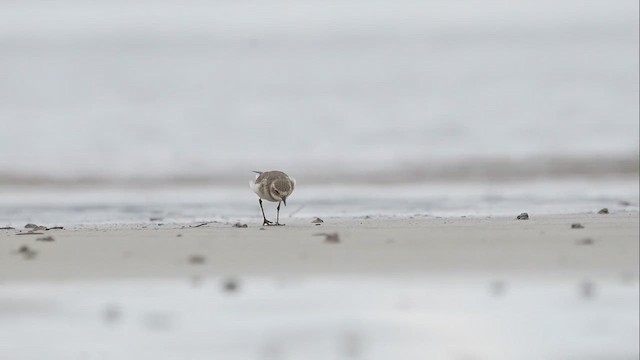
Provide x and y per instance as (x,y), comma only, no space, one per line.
(267,222)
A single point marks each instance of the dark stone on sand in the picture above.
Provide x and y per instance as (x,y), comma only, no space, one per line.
(585,241)
(577,226)
(111,314)
(30,226)
(603,211)
(331,238)
(45,238)
(230,285)
(317,221)
(523,216)
(239,225)
(197,259)
(156,219)
(56,228)
(26,252)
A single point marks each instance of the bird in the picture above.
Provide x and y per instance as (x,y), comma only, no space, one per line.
(274,186)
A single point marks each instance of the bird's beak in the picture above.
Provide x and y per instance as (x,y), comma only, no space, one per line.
(284,201)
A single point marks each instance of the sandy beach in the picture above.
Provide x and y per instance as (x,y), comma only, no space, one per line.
(607,245)
(370,288)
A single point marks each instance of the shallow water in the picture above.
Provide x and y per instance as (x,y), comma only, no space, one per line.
(170,204)
(415,317)
(184,89)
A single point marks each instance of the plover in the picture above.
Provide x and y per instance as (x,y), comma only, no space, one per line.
(274,186)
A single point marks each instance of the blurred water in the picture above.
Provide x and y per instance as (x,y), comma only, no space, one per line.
(356,317)
(192,88)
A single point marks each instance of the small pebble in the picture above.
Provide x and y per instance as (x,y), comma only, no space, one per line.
(45,238)
(230,285)
(603,211)
(197,259)
(523,216)
(26,252)
(577,226)
(179,235)
(331,238)
(585,241)
(156,219)
(317,221)
(30,226)
(239,225)
(111,313)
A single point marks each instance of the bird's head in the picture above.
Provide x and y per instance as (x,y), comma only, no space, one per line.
(280,189)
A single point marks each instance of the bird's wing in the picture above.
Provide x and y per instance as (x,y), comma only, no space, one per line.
(293,183)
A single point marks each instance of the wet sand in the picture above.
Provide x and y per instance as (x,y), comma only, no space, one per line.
(606,246)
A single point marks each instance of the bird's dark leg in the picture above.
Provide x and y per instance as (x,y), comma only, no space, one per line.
(264,218)
(278,215)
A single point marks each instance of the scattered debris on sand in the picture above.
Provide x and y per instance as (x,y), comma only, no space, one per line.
(197,259)
(30,233)
(577,226)
(239,225)
(585,241)
(26,252)
(523,216)
(34,227)
(230,285)
(205,223)
(603,211)
(331,238)
(46,238)
(317,221)
(7,228)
